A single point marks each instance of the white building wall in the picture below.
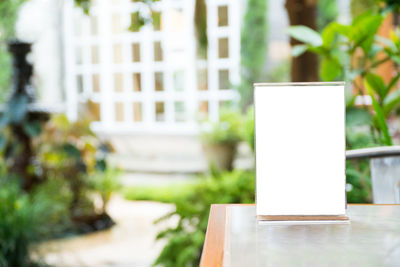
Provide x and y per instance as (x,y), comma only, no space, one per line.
(103,60)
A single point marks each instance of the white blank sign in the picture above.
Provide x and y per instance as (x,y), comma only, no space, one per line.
(300,149)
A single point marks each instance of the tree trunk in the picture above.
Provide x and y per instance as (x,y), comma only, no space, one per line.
(303,12)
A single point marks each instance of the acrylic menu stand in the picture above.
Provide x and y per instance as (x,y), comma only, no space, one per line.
(300,151)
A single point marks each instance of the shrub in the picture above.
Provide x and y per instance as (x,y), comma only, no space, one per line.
(185,241)
(105,184)
(71,152)
(354,52)
(167,193)
(226,131)
(22,220)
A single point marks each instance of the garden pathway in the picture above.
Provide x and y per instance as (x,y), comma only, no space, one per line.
(131,243)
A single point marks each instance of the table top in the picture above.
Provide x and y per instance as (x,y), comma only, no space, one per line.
(235,238)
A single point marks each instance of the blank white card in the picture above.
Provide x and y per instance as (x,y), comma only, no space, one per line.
(300,149)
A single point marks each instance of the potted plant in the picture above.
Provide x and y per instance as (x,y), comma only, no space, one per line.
(220,139)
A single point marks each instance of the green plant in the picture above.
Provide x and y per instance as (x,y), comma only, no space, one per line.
(253,48)
(8,16)
(359,189)
(146,16)
(358,180)
(185,241)
(106,183)
(353,52)
(164,193)
(248,129)
(383,102)
(279,73)
(357,7)
(72,152)
(200,23)
(23,219)
(327,12)
(228,130)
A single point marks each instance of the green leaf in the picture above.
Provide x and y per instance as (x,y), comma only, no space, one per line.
(377,84)
(393,82)
(391,102)
(101,165)
(387,42)
(328,34)
(375,49)
(364,29)
(298,50)
(330,69)
(33,128)
(396,59)
(84,4)
(305,35)
(137,21)
(350,100)
(379,116)
(341,29)
(72,151)
(357,117)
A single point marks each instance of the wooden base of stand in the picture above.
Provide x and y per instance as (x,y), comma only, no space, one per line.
(302,218)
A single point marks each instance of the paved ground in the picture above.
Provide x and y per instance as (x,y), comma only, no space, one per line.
(146,160)
(128,244)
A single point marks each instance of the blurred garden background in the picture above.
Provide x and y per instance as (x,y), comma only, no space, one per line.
(122,121)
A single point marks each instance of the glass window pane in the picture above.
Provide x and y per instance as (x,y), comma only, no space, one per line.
(96,83)
(222,16)
(94,28)
(160,111)
(94,110)
(136,22)
(156,16)
(202,79)
(159,81)
(116,24)
(79,80)
(137,82)
(118,54)
(203,110)
(77,25)
(137,112)
(95,54)
(223,48)
(201,53)
(179,80)
(79,55)
(118,82)
(179,108)
(119,111)
(223,79)
(158,52)
(136,52)
(177,20)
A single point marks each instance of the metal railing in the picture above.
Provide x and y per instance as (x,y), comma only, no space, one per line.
(385,172)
